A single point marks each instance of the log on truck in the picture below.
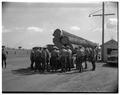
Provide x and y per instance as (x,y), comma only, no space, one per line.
(62,37)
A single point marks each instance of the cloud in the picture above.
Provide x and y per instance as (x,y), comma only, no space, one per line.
(12,29)
(76,28)
(21,29)
(18,28)
(112,23)
(96,29)
(5,30)
(35,29)
(113,20)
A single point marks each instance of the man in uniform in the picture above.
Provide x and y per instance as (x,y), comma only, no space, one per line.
(69,58)
(74,56)
(4,56)
(96,52)
(79,58)
(89,54)
(38,59)
(93,58)
(32,58)
(85,57)
(63,58)
(45,58)
(54,59)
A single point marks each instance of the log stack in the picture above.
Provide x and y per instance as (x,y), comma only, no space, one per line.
(63,38)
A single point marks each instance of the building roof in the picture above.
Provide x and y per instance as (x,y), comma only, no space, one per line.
(112,41)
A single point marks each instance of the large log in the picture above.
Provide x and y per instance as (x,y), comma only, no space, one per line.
(71,40)
(57,33)
(57,42)
(64,38)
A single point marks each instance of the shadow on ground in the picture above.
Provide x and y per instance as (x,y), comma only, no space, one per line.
(23,71)
(28,71)
(110,65)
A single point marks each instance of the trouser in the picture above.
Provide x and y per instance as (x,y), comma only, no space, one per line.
(53,63)
(73,62)
(63,63)
(37,65)
(38,62)
(3,62)
(85,59)
(68,63)
(58,65)
(79,64)
(43,64)
(93,65)
(32,63)
(93,60)
(47,65)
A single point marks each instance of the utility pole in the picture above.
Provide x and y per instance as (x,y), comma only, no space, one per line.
(103,8)
(103,16)
(117,21)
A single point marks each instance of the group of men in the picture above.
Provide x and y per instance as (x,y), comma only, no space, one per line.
(64,59)
(85,55)
(61,59)
(39,56)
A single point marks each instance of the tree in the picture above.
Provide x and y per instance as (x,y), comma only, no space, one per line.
(19,47)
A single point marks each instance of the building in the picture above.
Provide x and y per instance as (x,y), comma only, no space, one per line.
(109,47)
(99,54)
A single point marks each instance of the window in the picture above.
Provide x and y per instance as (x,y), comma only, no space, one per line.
(109,50)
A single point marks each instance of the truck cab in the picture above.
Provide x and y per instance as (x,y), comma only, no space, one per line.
(112,56)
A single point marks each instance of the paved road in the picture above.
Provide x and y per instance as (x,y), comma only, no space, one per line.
(18,77)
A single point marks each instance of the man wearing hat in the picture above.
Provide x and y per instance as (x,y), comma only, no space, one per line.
(69,58)
(93,58)
(54,58)
(4,56)
(45,58)
(38,59)
(32,58)
(79,59)
(63,58)
(86,56)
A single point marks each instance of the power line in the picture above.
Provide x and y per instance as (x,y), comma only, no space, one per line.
(94,12)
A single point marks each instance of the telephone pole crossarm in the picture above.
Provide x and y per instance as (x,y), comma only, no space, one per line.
(104,14)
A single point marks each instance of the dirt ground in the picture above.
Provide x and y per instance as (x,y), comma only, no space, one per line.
(18,77)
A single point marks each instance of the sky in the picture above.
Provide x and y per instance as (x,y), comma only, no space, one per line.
(32,24)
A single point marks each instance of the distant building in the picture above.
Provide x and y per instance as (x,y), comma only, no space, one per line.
(109,46)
